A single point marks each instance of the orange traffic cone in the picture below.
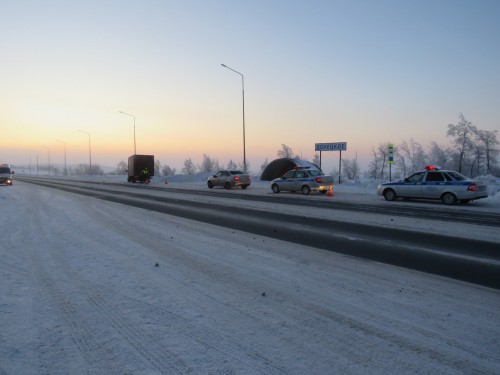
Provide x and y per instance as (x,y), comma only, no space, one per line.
(330,192)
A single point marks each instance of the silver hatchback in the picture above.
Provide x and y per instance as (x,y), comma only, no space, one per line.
(434,183)
(303,179)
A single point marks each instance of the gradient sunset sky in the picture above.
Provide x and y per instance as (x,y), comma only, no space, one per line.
(361,72)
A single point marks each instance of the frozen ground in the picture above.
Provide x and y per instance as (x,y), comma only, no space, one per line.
(92,287)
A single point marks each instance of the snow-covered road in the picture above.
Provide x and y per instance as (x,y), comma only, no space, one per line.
(92,287)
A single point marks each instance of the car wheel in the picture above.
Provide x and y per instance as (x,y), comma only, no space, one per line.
(390,195)
(306,190)
(210,185)
(275,188)
(227,185)
(448,198)
(244,186)
(322,191)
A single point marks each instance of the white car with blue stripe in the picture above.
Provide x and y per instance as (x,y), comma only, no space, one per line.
(434,183)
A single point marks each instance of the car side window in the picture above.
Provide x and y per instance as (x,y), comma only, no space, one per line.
(289,174)
(447,176)
(417,177)
(434,176)
(299,174)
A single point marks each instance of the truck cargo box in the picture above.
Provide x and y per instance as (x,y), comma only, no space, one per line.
(138,164)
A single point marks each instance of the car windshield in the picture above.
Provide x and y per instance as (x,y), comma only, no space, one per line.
(4,170)
(457,176)
(236,172)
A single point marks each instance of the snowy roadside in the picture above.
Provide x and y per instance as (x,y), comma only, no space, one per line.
(90,286)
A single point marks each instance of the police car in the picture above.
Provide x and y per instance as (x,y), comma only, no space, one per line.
(304,180)
(435,183)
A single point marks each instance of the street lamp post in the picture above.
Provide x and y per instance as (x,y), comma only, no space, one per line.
(135,152)
(90,152)
(65,165)
(243,97)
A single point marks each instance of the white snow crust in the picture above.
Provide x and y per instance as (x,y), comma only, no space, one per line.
(93,287)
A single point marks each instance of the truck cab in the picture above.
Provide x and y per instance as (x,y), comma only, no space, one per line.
(6,174)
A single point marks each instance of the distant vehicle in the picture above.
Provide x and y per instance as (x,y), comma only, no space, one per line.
(229,179)
(141,168)
(434,183)
(305,180)
(6,174)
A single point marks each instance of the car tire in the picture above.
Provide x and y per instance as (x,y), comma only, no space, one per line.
(210,185)
(275,188)
(306,190)
(227,186)
(448,199)
(390,195)
(244,186)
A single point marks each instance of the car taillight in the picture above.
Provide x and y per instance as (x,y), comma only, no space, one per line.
(472,187)
(236,178)
(318,180)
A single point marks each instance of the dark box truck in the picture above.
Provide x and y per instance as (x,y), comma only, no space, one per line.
(141,168)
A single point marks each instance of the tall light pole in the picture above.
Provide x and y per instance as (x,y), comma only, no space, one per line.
(65,166)
(243,97)
(134,128)
(90,152)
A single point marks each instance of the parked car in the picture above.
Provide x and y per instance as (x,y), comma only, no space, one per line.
(434,183)
(6,174)
(230,179)
(303,179)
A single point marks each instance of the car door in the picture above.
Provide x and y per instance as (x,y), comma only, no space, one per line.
(298,180)
(287,181)
(411,186)
(434,185)
(219,179)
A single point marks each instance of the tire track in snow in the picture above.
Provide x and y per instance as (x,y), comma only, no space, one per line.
(434,353)
(164,361)
(206,337)
(95,359)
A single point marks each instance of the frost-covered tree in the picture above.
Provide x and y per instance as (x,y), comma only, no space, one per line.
(121,168)
(462,133)
(439,156)
(189,167)
(167,171)
(231,166)
(351,168)
(488,139)
(285,152)
(157,167)
(410,157)
(207,165)
(376,169)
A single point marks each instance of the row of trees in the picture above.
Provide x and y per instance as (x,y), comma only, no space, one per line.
(472,152)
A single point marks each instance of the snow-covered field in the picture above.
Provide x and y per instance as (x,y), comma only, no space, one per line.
(93,287)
